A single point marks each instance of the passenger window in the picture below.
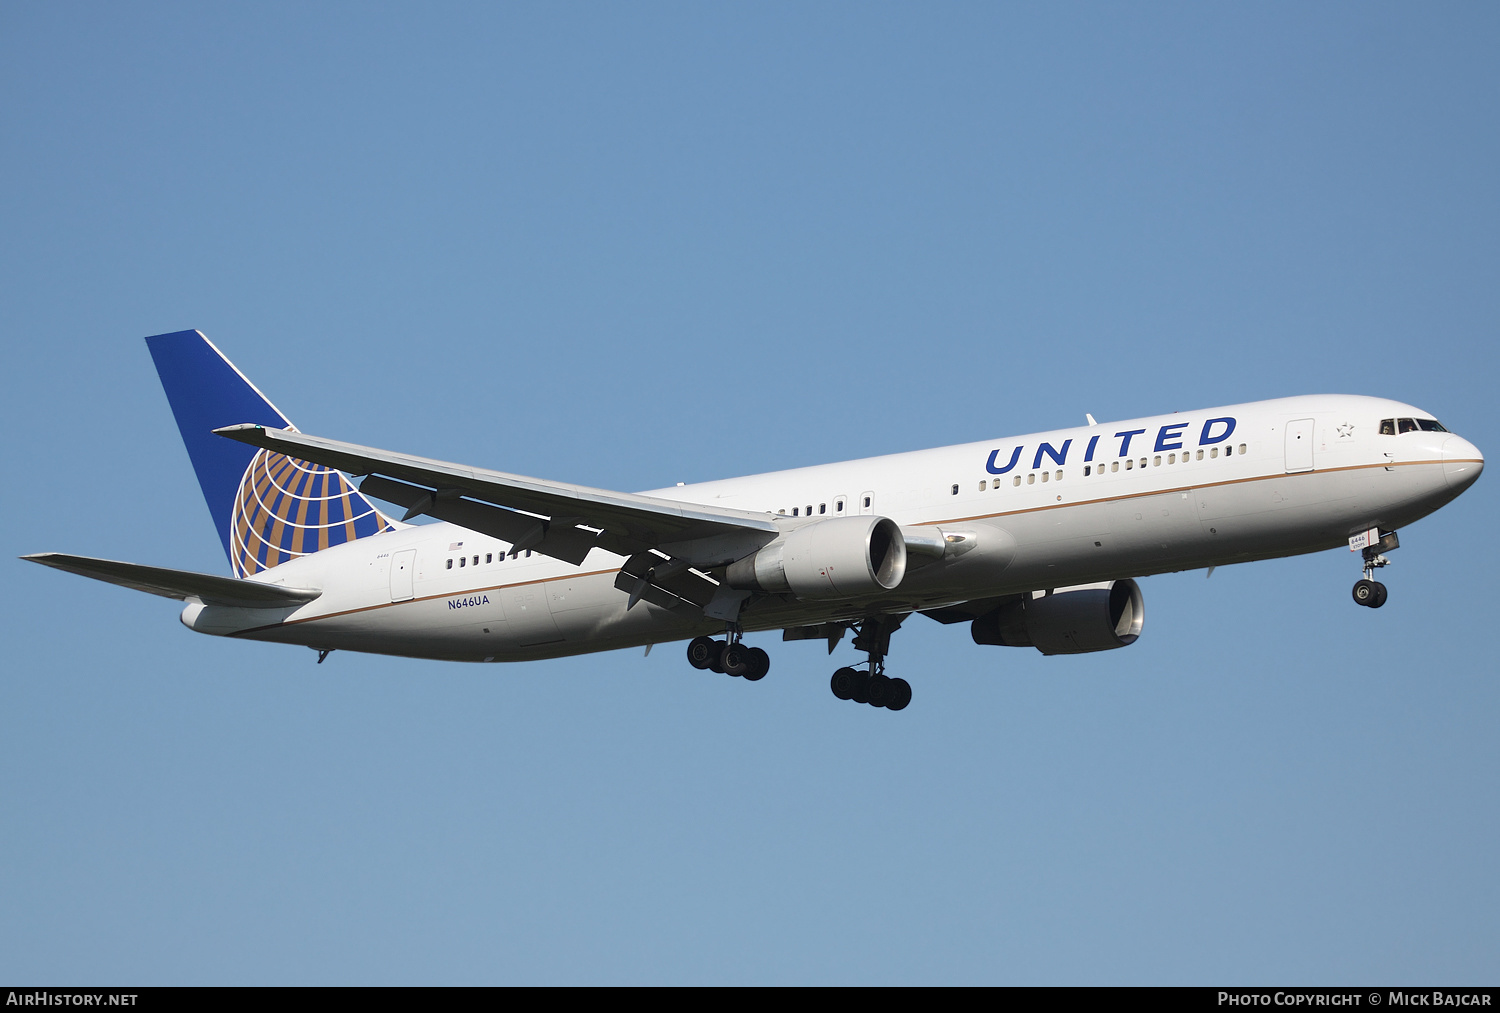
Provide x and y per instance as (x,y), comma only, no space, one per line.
(1214,452)
(794,511)
(1171,458)
(450,563)
(981,485)
(822,508)
(1143,462)
(1058,476)
(955,488)
(462,560)
(1156,461)
(1016,481)
(488,556)
(1031,479)
(1242,448)
(1387,427)
(476,559)
(1229,450)
(1044,476)
(782,512)
(867,502)
(838,505)
(1407,425)
(1114,465)
(809,510)
(1087,469)
(1130,464)
(1200,455)
(528,553)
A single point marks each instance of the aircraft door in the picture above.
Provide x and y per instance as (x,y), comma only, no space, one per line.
(530,615)
(402,565)
(1299,445)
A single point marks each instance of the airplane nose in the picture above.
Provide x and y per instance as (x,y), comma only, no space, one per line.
(1462,463)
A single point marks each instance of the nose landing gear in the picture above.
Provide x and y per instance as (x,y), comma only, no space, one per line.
(1370,592)
(873,687)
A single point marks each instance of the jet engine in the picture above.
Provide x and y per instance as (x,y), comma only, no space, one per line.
(1068,620)
(843,557)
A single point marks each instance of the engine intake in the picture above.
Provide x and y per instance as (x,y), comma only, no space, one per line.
(1069,620)
(843,557)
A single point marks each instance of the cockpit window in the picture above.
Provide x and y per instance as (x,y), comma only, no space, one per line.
(1388,427)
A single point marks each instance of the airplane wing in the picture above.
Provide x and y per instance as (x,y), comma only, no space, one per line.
(554,518)
(179,584)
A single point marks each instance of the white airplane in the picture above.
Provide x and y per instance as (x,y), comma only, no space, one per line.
(1032,540)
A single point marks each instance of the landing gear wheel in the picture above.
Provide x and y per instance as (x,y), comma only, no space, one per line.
(716,659)
(880,690)
(1365,593)
(760,664)
(734,659)
(859,692)
(842,683)
(1380,595)
(701,651)
(899,695)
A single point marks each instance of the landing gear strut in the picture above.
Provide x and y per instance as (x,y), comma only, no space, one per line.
(1370,592)
(873,687)
(729,656)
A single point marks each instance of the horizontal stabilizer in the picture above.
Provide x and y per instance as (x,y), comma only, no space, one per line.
(179,584)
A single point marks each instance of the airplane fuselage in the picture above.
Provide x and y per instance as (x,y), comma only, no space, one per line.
(1046,510)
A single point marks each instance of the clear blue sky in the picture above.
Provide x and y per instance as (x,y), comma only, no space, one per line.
(630,245)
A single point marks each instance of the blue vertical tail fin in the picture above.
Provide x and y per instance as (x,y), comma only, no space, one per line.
(268,508)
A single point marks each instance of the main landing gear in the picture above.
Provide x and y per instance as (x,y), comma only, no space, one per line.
(1370,592)
(729,657)
(873,687)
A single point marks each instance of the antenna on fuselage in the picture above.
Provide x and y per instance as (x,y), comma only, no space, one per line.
(1090,418)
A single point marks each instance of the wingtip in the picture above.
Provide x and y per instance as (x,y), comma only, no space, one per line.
(247,432)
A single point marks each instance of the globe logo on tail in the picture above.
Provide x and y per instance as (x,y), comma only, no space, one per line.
(286,508)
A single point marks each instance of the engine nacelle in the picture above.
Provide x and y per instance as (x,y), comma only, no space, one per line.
(1069,620)
(843,557)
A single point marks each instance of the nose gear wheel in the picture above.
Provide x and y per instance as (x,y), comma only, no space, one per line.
(1370,592)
